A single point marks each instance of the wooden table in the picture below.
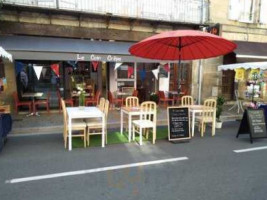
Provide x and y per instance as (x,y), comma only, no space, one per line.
(199,109)
(32,95)
(84,113)
(130,111)
(5,109)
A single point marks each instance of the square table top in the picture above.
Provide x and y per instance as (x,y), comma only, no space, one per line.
(84,112)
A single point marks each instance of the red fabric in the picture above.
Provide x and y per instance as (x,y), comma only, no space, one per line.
(194,45)
(95,65)
(55,68)
(167,68)
(130,71)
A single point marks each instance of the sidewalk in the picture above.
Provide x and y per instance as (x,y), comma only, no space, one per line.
(53,122)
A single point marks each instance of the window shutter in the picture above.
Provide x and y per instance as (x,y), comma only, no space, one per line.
(247,11)
(263,9)
(234,9)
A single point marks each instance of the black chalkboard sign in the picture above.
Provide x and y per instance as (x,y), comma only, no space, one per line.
(178,123)
(253,123)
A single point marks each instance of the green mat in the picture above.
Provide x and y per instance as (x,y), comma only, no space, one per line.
(116,138)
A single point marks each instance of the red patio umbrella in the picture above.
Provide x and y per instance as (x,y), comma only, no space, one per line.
(182,45)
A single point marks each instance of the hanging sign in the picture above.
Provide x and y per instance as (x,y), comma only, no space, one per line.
(19,67)
(240,74)
(178,123)
(117,65)
(55,68)
(95,65)
(156,73)
(130,71)
(38,70)
(142,74)
(253,73)
(253,123)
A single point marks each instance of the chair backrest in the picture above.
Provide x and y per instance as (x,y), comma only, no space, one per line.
(149,111)
(15,96)
(132,101)
(161,95)
(110,97)
(135,93)
(187,100)
(207,112)
(101,104)
(210,103)
(97,95)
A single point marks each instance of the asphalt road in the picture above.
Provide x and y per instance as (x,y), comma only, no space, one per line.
(212,172)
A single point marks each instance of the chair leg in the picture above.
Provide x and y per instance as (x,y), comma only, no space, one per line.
(202,129)
(154,135)
(84,138)
(88,138)
(133,132)
(141,136)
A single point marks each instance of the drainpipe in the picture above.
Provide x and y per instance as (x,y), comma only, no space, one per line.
(199,81)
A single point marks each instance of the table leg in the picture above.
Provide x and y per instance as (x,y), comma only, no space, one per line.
(70,134)
(121,122)
(213,123)
(103,131)
(130,127)
(193,123)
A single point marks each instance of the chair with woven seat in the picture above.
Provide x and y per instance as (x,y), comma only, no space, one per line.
(207,115)
(67,101)
(147,120)
(164,99)
(19,103)
(94,126)
(76,124)
(44,102)
(187,100)
(114,101)
(93,101)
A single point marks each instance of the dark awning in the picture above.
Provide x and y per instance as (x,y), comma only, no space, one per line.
(251,50)
(48,48)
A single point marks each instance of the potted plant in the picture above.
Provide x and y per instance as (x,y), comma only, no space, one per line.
(154,97)
(219,109)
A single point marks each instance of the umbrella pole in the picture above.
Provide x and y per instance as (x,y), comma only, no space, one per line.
(180,67)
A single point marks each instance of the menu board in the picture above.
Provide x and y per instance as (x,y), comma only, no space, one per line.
(178,123)
(257,124)
(253,123)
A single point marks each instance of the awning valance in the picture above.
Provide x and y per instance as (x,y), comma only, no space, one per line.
(248,65)
(5,54)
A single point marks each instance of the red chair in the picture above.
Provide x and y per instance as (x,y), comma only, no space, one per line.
(178,98)
(113,101)
(44,102)
(135,93)
(21,103)
(164,99)
(67,101)
(94,100)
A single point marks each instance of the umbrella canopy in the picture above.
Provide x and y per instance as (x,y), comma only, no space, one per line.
(5,54)
(182,45)
(248,65)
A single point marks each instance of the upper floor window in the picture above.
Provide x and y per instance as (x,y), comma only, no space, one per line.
(242,10)
(263,8)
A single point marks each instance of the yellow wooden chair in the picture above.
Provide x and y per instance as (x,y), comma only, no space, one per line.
(187,100)
(147,120)
(207,116)
(101,104)
(94,126)
(77,125)
(132,101)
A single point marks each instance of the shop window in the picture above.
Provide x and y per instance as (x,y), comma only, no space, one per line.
(263,8)
(125,77)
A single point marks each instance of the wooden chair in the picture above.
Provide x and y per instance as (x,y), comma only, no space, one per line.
(187,100)
(45,102)
(77,125)
(207,116)
(147,120)
(114,101)
(94,100)
(135,93)
(19,103)
(67,101)
(94,126)
(101,104)
(132,101)
(164,99)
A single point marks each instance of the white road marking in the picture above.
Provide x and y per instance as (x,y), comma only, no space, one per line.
(88,171)
(250,149)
